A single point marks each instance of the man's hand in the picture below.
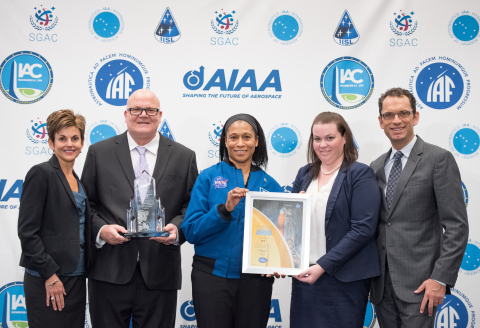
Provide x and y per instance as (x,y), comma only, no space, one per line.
(109,234)
(172,230)
(434,294)
(311,274)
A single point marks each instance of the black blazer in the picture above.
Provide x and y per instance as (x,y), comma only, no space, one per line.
(48,222)
(108,176)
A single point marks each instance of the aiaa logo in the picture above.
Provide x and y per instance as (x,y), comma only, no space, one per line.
(370,316)
(347,82)
(12,191)
(455,312)
(106,24)
(463,28)
(43,18)
(167,30)
(187,311)
(165,130)
(215,133)
(284,140)
(465,194)
(471,258)
(13,311)
(440,83)
(101,130)
(403,23)
(464,141)
(26,77)
(285,27)
(346,33)
(117,79)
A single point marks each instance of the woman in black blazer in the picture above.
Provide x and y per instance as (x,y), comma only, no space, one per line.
(53,227)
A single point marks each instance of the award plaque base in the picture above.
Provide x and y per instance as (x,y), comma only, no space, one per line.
(149,234)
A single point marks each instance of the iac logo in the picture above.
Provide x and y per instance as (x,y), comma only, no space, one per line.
(13,310)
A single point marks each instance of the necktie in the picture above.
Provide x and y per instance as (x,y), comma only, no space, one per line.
(139,168)
(393,177)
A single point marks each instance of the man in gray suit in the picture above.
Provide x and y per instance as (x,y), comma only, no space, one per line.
(422,230)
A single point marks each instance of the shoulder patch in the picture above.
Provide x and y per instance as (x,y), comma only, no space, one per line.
(220,182)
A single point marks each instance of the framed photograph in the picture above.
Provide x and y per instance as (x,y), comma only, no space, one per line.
(277,233)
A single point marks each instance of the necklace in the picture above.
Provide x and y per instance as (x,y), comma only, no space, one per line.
(327,173)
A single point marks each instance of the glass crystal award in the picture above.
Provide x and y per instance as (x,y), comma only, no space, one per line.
(146,215)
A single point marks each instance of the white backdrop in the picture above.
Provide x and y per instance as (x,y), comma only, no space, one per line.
(80,40)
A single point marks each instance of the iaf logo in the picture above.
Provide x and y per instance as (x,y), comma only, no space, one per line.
(457,311)
(106,24)
(347,82)
(463,28)
(370,316)
(215,133)
(284,140)
(285,27)
(26,77)
(43,18)
(403,24)
(346,34)
(167,30)
(101,130)
(187,311)
(471,259)
(464,141)
(165,130)
(13,310)
(37,132)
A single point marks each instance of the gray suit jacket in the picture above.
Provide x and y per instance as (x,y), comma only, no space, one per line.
(425,232)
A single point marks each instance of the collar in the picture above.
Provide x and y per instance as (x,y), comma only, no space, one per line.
(253,168)
(152,146)
(405,150)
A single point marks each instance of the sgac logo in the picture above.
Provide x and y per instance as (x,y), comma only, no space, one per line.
(101,130)
(43,18)
(26,77)
(465,194)
(463,28)
(106,24)
(167,30)
(116,79)
(13,310)
(464,141)
(284,140)
(347,83)
(440,83)
(346,33)
(224,22)
(215,133)
(36,133)
(471,258)
(285,27)
(165,130)
(455,312)
(370,316)
(403,24)
(187,311)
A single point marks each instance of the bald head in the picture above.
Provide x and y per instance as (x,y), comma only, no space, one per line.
(143,96)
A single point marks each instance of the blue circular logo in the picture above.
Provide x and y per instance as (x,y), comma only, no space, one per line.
(452,313)
(465,194)
(370,316)
(106,24)
(13,310)
(102,132)
(262,260)
(284,140)
(466,141)
(347,83)
(285,27)
(187,311)
(465,28)
(471,258)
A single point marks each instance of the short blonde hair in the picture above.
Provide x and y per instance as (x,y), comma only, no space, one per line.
(64,118)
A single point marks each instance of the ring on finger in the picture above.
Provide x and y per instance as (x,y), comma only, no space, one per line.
(52,298)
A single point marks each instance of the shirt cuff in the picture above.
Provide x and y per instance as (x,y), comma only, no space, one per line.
(441,283)
(177,239)
(99,242)
(224,213)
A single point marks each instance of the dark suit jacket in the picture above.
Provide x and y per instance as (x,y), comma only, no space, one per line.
(425,232)
(108,176)
(48,222)
(350,222)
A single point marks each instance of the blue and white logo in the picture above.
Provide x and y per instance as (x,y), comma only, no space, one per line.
(465,194)
(113,81)
(187,311)
(464,141)
(215,133)
(403,23)
(463,28)
(440,83)
(165,130)
(101,130)
(37,135)
(370,316)
(284,140)
(106,24)
(9,191)
(43,18)
(347,83)
(355,143)
(285,27)
(346,33)
(455,312)
(26,77)
(13,310)
(471,258)
(167,30)
(220,182)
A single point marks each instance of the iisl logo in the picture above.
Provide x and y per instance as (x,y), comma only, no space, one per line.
(347,83)
(346,34)
(471,258)
(464,141)
(456,311)
(215,133)
(463,28)
(284,140)
(370,316)
(167,30)
(13,311)
(26,77)
(101,130)
(440,83)
(106,24)
(403,24)
(43,18)
(285,27)
(165,130)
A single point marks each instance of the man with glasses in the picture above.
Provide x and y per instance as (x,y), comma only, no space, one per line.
(136,278)
(422,230)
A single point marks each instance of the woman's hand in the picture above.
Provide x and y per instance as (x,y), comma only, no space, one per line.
(234,197)
(275,274)
(311,274)
(55,293)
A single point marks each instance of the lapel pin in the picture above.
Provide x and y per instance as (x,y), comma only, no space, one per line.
(265,179)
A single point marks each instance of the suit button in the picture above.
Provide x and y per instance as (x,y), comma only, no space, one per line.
(388,224)
(329,238)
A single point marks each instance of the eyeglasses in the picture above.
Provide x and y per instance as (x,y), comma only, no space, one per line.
(401,114)
(148,111)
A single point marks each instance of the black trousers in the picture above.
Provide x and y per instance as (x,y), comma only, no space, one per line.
(113,305)
(40,316)
(231,303)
